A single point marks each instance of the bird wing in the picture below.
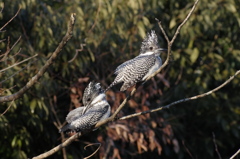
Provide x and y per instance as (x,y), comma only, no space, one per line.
(139,62)
(122,66)
(74,114)
(90,118)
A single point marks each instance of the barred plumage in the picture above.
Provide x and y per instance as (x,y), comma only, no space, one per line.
(142,66)
(95,108)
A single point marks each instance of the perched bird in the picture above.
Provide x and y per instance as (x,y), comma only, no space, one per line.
(95,109)
(141,67)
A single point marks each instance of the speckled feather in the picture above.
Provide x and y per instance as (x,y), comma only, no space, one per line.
(136,70)
(133,71)
(95,108)
(87,120)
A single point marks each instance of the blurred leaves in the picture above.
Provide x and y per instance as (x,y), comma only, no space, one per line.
(206,53)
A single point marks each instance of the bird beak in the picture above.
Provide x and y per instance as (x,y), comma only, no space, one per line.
(160,50)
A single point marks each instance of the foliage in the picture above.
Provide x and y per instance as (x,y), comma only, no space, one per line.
(204,55)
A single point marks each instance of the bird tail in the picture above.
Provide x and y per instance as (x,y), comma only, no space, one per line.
(111,85)
(64,128)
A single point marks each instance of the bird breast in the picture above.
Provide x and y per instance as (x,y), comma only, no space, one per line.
(154,68)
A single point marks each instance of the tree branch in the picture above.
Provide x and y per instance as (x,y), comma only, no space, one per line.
(18,63)
(113,117)
(59,147)
(233,156)
(10,19)
(183,100)
(34,79)
(173,39)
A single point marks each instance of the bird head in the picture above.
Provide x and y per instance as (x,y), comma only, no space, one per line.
(91,92)
(150,45)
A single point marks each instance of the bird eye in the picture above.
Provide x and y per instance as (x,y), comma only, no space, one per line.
(151,48)
(88,100)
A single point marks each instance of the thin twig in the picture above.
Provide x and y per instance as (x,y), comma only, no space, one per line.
(10,19)
(190,154)
(215,145)
(7,108)
(96,17)
(18,63)
(34,79)
(173,39)
(232,157)
(17,72)
(99,145)
(185,20)
(59,147)
(76,54)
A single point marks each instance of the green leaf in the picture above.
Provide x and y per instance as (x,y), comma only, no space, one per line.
(194,55)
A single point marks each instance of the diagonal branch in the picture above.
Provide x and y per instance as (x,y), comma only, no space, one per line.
(18,63)
(183,100)
(10,19)
(35,78)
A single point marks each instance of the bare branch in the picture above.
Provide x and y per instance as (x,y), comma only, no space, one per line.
(233,156)
(76,54)
(34,79)
(185,20)
(7,108)
(215,145)
(17,72)
(173,39)
(59,147)
(18,63)
(10,19)
(99,145)
(183,100)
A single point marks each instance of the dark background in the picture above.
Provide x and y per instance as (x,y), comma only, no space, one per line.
(205,54)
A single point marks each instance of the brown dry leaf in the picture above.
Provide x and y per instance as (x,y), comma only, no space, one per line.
(164,80)
(84,79)
(100,138)
(139,146)
(146,108)
(131,139)
(132,103)
(116,154)
(159,147)
(112,134)
(176,145)
(142,143)
(153,124)
(74,90)
(151,136)
(75,100)
(125,135)
(144,98)
(167,134)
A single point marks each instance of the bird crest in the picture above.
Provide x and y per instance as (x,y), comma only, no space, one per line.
(92,90)
(150,42)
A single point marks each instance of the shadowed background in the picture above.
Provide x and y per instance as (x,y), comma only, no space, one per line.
(205,54)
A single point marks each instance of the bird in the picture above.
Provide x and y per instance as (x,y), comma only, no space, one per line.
(142,66)
(95,109)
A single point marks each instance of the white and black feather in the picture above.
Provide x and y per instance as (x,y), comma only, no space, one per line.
(96,108)
(138,69)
